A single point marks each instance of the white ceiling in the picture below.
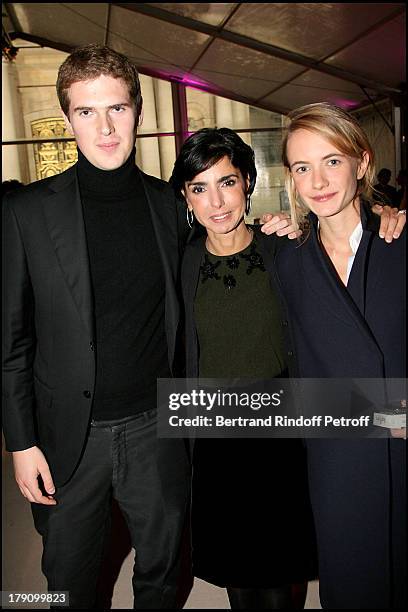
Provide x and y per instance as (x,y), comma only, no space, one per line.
(275,56)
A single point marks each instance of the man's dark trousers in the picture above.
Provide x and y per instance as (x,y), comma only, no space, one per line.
(126,459)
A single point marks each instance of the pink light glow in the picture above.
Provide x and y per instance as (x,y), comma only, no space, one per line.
(345,104)
(192,83)
(184,80)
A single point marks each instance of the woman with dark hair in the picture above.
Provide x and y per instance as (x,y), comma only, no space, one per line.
(252,529)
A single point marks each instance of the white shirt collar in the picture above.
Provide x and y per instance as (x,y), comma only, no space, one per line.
(355,237)
(354,242)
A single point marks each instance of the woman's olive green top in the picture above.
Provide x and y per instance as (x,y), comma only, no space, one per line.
(238,317)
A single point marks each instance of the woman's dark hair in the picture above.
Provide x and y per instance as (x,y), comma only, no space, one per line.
(205,148)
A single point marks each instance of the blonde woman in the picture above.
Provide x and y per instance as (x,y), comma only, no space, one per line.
(338,282)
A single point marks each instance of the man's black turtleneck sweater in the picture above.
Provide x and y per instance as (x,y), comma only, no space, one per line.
(128,287)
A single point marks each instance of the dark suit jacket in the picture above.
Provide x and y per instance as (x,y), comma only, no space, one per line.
(48,320)
(190,272)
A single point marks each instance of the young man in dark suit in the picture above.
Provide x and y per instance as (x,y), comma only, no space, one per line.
(90,322)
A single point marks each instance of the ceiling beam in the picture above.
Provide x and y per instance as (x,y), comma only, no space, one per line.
(212,39)
(44,42)
(216,91)
(255,45)
(357,38)
(12,15)
(107,25)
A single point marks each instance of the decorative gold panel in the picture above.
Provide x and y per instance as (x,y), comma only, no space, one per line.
(52,157)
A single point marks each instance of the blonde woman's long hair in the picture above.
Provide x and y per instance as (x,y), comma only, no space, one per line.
(342,131)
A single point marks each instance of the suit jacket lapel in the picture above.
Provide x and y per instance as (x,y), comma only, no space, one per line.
(65,223)
(165,227)
(164,220)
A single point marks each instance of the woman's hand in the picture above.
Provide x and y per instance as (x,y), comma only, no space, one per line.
(392,221)
(279,224)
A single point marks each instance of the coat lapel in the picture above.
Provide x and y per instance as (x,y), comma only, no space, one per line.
(357,285)
(189,280)
(268,248)
(373,271)
(338,299)
(65,223)
(191,268)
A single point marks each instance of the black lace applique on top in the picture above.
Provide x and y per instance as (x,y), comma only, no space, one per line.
(233,263)
(254,259)
(229,281)
(208,268)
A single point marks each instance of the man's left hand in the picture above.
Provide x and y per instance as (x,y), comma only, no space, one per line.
(279,224)
(392,222)
(399,433)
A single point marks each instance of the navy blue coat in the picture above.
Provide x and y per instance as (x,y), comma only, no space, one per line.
(357,486)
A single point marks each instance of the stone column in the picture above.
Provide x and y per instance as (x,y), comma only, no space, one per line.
(165,123)
(223,113)
(240,115)
(148,148)
(14,156)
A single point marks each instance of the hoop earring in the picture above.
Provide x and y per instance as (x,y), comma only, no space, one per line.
(190,218)
(248,205)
